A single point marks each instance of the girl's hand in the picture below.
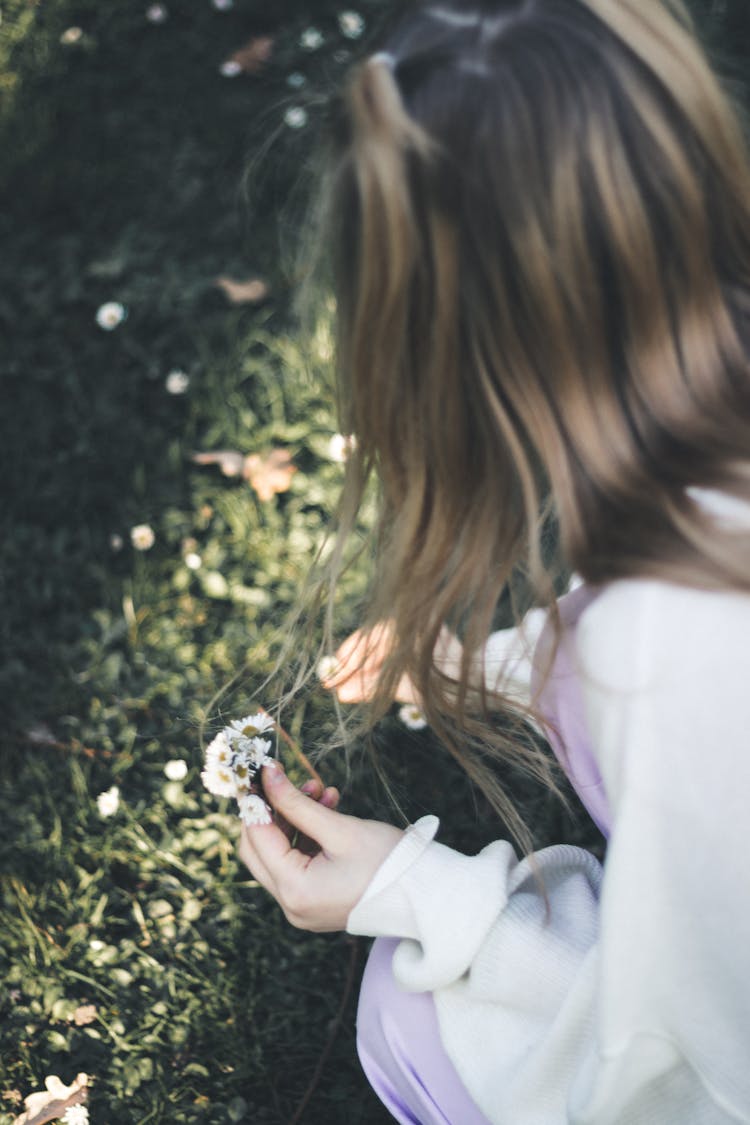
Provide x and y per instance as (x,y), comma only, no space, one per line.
(315,892)
(359,660)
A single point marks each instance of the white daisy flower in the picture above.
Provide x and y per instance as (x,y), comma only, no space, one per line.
(219,779)
(109,801)
(351,24)
(230,69)
(327,668)
(295,80)
(219,751)
(177,382)
(176,769)
(311,39)
(193,561)
(251,726)
(110,315)
(254,810)
(76,1115)
(412,716)
(142,537)
(296,117)
(254,751)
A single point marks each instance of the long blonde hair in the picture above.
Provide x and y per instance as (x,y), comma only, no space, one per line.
(540,236)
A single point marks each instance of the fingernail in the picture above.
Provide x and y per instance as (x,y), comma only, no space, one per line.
(309,788)
(274,773)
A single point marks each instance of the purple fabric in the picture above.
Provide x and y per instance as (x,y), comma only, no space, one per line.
(561,704)
(398,1039)
(399,1046)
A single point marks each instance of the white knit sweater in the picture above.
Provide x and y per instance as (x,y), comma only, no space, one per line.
(630,1002)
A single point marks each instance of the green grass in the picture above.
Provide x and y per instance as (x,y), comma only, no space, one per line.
(124,174)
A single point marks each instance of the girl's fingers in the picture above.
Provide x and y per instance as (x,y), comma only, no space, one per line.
(330,797)
(252,860)
(320,823)
(312,788)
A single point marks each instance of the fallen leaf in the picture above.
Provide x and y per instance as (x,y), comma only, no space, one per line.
(53,1101)
(229,461)
(85,1014)
(269,473)
(243,292)
(253,56)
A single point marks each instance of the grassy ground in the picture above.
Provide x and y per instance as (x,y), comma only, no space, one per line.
(132,946)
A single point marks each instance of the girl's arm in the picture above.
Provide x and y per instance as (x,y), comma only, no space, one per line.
(562,998)
(504,663)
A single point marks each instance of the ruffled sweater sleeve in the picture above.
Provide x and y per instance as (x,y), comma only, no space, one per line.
(568,996)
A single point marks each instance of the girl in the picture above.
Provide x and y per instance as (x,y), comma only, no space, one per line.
(541,245)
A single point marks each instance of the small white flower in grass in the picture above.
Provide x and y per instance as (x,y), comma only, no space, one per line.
(177,382)
(340,447)
(352,25)
(412,716)
(311,39)
(142,537)
(295,80)
(156,13)
(176,769)
(253,809)
(71,35)
(76,1115)
(193,561)
(296,117)
(110,315)
(327,668)
(116,542)
(109,801)
(230,69)
(222,5)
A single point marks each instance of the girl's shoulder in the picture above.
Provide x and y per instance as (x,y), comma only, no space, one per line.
(638,628)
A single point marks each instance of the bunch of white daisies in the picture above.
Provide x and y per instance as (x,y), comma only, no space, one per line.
(233,763)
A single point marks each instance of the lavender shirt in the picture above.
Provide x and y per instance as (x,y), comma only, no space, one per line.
(560,702)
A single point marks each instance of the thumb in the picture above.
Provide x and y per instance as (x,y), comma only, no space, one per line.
(309,816)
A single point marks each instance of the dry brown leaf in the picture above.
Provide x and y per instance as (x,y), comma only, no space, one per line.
(53,1101)
(86,1013)
(229,461)
(254,54)
(269,473)
(243,292)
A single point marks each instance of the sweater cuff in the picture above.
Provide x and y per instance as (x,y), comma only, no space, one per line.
(384,909)
(443,903)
